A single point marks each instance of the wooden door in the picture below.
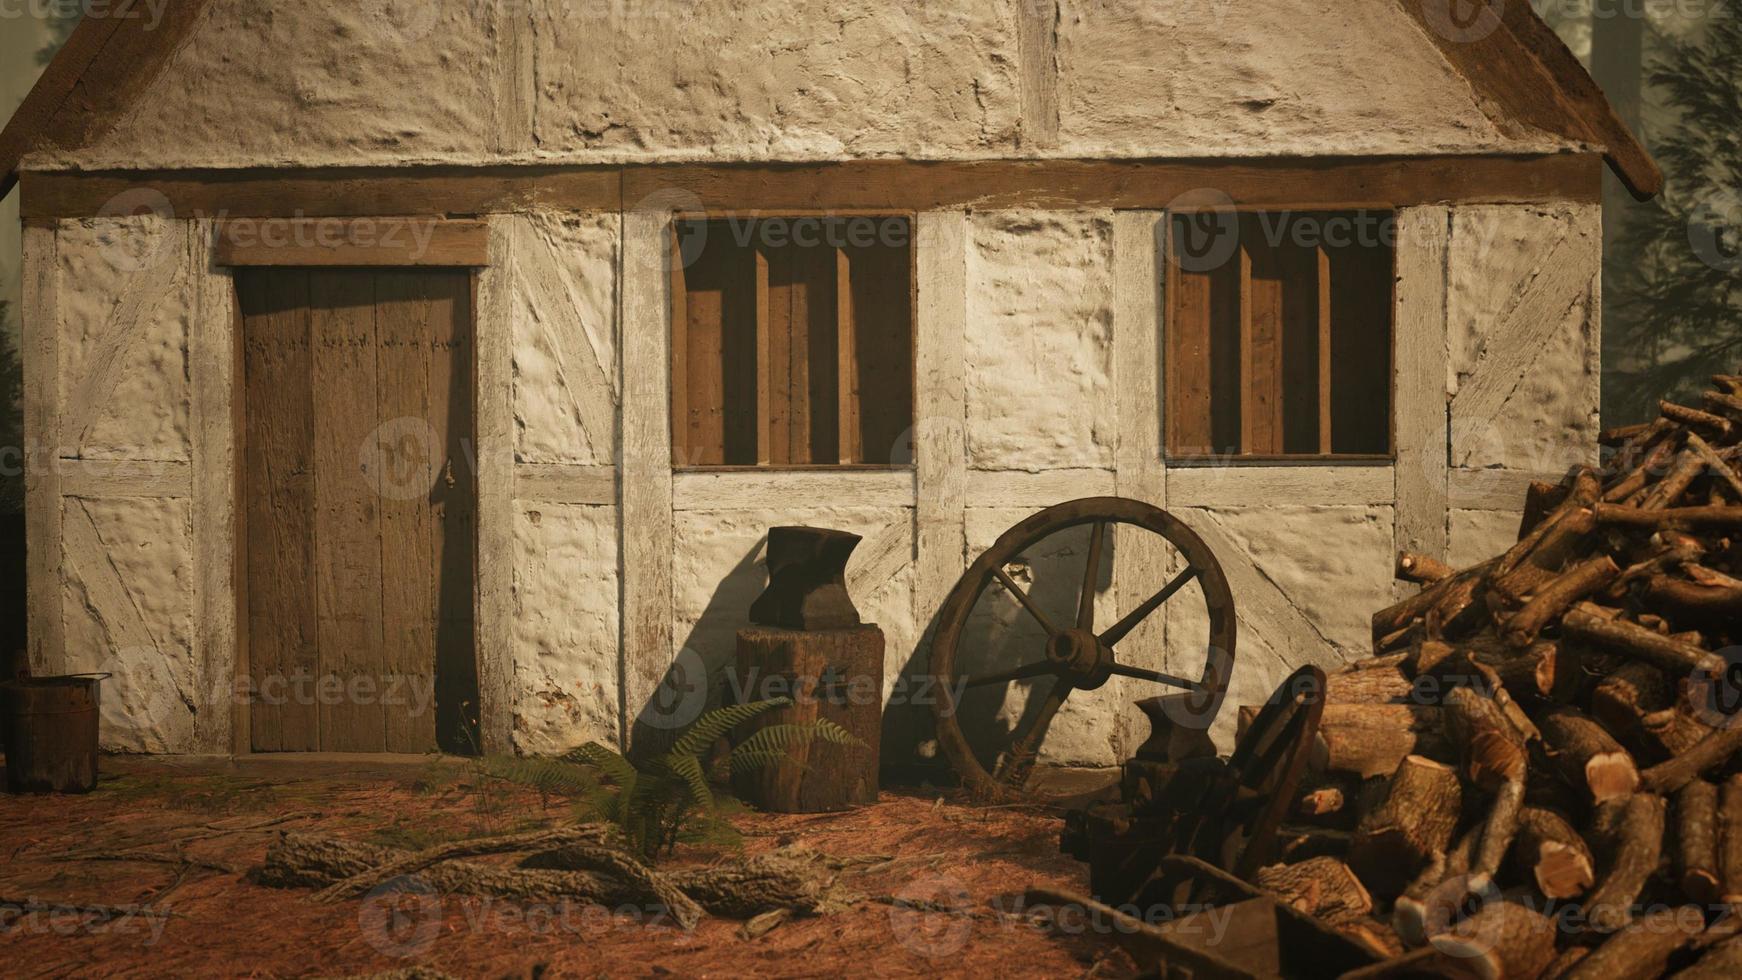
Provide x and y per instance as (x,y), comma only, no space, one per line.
(358,503)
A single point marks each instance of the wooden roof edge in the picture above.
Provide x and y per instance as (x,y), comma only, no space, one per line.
(97,74)
(1526,78)
(1622,148)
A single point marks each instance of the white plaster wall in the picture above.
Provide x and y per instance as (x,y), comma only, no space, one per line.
(305,82)
(1040,336)
(565,628)
(1305,579)
(565,339)
(125,300)
(1300,76)
(1523,330)
(1478,535)
(129,610)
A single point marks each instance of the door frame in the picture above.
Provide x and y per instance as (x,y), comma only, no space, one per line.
(359,242)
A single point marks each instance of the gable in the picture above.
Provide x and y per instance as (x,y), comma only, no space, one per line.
(233,84)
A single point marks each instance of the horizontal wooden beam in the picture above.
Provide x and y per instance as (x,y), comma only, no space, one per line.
(416,240)
(106,479)
(1496,490)
(865,185)
(547,483)
(1366,485)
(765,489)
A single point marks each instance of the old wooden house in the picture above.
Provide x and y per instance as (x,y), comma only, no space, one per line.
(462,352)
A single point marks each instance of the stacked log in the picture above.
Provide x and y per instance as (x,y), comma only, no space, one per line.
(1555,730)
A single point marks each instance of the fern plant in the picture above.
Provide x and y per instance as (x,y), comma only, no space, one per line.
(654,803)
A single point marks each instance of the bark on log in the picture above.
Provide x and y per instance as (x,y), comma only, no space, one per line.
(1695,418)
(1667,491)
(1716,464)
(1369,740)
(1490,751)
(1587,623)
(1719,401)
(1557,596)
(1498,831)
(416,861)
(1322,887)
(1673,731)
(1540,500)
(1640,468)
(1423,569)
(1398,615)
(1693,599)
(1721,962)
(1369,685)
(1434,899)
(1621,700)
(1642,949)
(1569,538)
(1730,840)
(1503,940)
(1586,756)
(1716,748)
(1696,825)
(1631,832)
(734,889)
(1675,517)
(1552,854)
(1421,809)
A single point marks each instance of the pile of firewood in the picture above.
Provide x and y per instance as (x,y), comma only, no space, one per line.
(1537,772)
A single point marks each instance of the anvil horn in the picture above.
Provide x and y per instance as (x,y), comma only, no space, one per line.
(807,580)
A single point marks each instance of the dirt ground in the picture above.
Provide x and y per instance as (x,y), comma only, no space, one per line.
(183,837)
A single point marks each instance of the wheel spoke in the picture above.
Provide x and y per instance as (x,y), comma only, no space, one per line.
(1010,585)
(1086,601)
(1145,674)
(1118,631)
(1019,760)
(1040,669)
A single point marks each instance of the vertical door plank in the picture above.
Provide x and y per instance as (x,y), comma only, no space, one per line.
(680,348)
(704,302)
(453,518)
(764,354)
(347,509)
(849,434)
(1322,262)
(278,390)
(1251,425)
(780,343)
(404,455)
(817,425)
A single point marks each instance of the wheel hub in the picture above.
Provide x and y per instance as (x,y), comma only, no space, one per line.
(1080,658)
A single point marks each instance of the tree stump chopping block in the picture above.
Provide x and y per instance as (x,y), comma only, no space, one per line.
(835,675)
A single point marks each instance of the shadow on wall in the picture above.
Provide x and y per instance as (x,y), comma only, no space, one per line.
(999,636)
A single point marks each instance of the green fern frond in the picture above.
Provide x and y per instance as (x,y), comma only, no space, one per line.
(834,734)
(776,737)
(689,769)
(710,727)
(608,761)
(744,763)
(548,776)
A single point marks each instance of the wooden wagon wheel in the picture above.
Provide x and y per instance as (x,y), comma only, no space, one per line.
(1076,655)
(1232,821)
